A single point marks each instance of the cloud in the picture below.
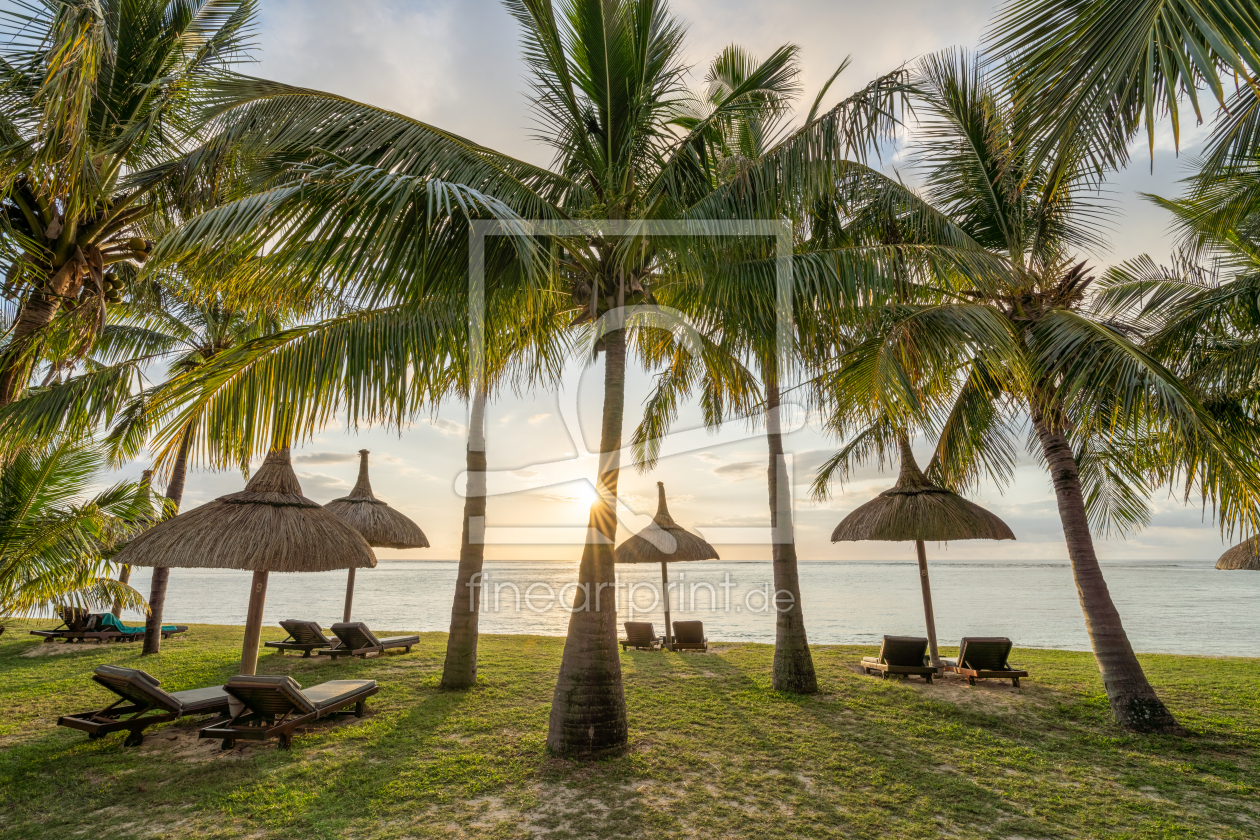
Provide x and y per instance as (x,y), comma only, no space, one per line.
(320,482)
(324,458)
(740,470)
(538,418)
(449,427)
(708,457)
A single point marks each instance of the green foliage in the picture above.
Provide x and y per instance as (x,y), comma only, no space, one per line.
(55,539)
(1094,71)
(97,97)
(966,355)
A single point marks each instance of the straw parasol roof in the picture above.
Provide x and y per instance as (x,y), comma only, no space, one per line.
(916,509)
(269,526)
(380,524)
(664,541)
(1245,555)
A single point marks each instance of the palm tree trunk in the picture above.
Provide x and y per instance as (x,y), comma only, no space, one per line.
(1133,701)
(36,313)
(588,711)
(460,667)
(124,575)
(793,664)
(157,593)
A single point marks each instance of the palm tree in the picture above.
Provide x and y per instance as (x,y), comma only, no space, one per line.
(98,96)
(181,334)
(365,182)
(1095,72)
(1197,314)
(54,542)
(528,343)
(1023,341)
(738,304)
(377,366)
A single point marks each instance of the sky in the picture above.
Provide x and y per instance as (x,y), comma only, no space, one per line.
(455,64)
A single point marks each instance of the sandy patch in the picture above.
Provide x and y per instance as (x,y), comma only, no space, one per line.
(181,741)
(985,693)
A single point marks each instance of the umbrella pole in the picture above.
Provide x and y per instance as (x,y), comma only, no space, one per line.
(927,604)
(669,633)
(253,623)
(345,616)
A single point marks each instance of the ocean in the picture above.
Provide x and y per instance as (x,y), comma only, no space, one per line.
(1167,606)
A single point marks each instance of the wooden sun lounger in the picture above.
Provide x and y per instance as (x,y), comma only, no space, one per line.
(147,704)
(905,656)
(275,706)
(88,627)
(689,635)
(984,658)
(305,636)
(641,636)
(358,640)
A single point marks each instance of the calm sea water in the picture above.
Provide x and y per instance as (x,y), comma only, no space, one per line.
(1166,606)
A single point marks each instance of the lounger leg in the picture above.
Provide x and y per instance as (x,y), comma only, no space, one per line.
(929,679)
(227,743)
(971,680)
(306,654)
(360,708)
(135,739)
(286,740)
(1015,681)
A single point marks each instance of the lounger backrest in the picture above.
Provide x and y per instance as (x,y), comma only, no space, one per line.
(269,695)
(135,687)
(306,632)
(984,654)
(355,635)
(640,633)
(75,618)
(903,650)
(689,632)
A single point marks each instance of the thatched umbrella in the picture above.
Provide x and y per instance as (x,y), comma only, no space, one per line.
(1245,555)
(380,524)
(268,527)
(916,509)
(664,541)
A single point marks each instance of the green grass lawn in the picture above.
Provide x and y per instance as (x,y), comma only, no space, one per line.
(714,752)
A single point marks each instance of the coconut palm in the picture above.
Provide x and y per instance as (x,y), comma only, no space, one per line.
(379,366)
(1023,343)
(54,538)
(1099,70)
(1198,313)
(753,330)
(167,332)
(97,97)
(606,80)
